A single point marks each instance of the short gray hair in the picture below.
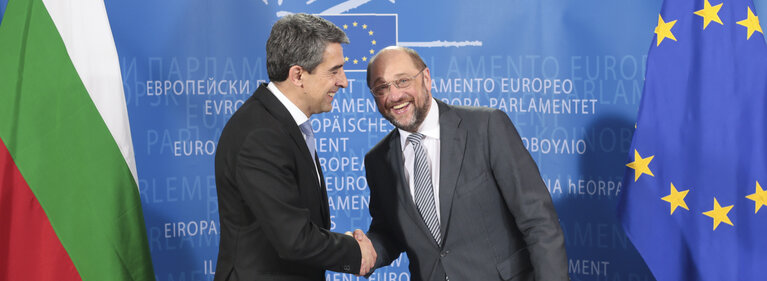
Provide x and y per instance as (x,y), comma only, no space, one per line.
(299,39)
(417,60)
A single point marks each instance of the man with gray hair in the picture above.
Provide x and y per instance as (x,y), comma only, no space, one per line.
(273,204)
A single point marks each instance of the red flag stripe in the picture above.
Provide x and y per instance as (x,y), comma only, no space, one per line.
(29,247)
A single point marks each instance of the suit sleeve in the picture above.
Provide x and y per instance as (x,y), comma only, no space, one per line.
(266,176)
(528,199)
(387,248)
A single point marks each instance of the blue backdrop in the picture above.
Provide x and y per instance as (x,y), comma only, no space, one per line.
(568,73)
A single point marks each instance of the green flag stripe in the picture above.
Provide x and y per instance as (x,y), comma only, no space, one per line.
(64,150)
(86,32)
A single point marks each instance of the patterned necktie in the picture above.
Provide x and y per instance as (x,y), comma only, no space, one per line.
(424,193)
(306,128)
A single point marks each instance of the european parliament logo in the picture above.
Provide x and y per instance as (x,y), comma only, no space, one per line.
(368,34)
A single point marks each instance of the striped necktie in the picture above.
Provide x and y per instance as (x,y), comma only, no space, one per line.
(424,192)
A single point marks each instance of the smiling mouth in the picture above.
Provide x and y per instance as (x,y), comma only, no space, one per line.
(400,106)
(331,94)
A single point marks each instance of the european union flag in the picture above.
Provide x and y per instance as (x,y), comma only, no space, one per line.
(694,204)
(368,34)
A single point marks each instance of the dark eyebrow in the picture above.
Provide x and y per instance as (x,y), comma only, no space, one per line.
(336,67)
(378,80)
(397,76)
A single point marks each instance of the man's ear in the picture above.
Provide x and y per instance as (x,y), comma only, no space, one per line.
(426,78)
(295,75)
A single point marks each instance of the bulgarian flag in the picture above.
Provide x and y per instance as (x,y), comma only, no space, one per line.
(69,201)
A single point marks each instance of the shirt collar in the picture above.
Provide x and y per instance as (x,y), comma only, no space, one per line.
(297,114)
(429,128)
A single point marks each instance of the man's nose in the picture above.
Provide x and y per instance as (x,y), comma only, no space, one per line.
(395,93)
(341,81)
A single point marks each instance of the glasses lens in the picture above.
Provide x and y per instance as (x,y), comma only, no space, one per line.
(380,90)
(404,82)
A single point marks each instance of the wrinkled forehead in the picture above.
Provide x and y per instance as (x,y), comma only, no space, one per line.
(333,56)
(392,64)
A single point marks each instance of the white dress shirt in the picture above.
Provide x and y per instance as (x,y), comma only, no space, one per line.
(296,112)
(430,129)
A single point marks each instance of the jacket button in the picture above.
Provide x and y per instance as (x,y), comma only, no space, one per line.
(444,253)
(347,268)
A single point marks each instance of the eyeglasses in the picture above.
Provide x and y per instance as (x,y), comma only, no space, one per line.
(402,83)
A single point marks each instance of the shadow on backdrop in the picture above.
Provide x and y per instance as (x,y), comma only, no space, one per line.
(597,246)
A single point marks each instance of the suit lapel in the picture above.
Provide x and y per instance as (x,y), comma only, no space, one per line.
(452,147)
(402,188)
(278,110)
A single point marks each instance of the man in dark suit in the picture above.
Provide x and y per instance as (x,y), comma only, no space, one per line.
(454,187)
(272,198)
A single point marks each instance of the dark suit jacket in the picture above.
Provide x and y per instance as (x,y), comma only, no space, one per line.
(273,211)
(497,218)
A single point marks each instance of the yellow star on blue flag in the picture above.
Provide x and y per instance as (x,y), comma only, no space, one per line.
(702,118)
(368,34)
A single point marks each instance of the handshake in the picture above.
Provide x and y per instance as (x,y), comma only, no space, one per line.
(369,255)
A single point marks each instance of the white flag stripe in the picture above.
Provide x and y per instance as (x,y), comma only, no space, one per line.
(84,28)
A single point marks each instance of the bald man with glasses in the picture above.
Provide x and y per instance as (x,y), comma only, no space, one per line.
(454,187)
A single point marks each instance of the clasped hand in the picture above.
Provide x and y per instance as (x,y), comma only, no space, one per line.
(369,255)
